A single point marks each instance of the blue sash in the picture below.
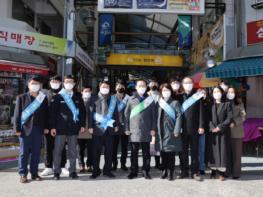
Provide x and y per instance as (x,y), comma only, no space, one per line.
(122,104)
(107,121)
(192,100)
(168,109)
(30,109)
(71,105)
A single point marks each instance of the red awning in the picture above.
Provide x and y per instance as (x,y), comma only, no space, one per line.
(23,68)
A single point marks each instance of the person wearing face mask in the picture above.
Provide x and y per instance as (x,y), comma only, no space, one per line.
(30,123)
(55,87)
(105,124)
(224,85)
(140,125)
(120,135)
(67,120)
(153,86)
(169,123)
(192,128)
(220,138)
(85,139)
(176,85)
(237,131)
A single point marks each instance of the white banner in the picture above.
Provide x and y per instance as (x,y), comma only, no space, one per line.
(152,6)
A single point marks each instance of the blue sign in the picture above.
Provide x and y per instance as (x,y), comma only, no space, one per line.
(117,3)
(185,31)
(151,4)
(105,29)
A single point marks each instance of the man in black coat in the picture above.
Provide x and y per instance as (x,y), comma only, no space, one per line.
(192,128)
(67,119)
(30,123)
(55,86)
(105,123)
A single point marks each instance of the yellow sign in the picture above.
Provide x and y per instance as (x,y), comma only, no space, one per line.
(145,60)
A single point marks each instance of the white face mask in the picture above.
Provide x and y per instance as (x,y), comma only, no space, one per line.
(68,86)
(86,95)
(141,91)
(104,91)
(188,87)
(231,96)
(55,86)
(34,88)
(176,86)
(166,94)
(217,96)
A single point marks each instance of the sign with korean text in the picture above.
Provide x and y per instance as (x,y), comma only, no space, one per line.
(255,32)
(152,6)
(105,29)
(145,60)
(84,58)
(32,41)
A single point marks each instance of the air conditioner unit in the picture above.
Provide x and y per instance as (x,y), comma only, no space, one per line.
(258,4)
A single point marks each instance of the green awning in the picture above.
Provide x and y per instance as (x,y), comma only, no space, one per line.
(237,68)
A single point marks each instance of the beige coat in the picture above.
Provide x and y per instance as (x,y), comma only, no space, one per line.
(239,116)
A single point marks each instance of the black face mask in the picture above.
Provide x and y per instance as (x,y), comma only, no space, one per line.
(121,90)
(154,88)
(55,90)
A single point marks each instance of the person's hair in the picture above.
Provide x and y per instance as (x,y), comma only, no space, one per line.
(56,77)
(119,82)
(141,80)
(167,86)
(87,87)
(35,78)
(104,82)
(69,77)
(187,78)
(174,79)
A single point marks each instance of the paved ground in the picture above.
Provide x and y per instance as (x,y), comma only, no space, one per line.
(250,185)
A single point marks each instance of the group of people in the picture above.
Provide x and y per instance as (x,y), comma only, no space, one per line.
(162,121)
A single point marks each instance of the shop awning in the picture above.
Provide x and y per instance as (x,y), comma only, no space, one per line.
(23,68)
(237,68)
(200,81)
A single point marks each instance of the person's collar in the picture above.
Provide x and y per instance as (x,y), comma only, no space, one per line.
(103,96)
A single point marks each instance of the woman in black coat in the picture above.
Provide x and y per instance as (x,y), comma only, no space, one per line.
(220,138)
(169,128)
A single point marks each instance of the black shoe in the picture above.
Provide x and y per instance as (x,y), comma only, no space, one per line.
(164,174)
(235,177)
(94,176)
(132,175)
(171,175)
(183,175)
(124,168)
(114,167)
(74,175)
(213,174)
(109,175)
(36,177)
(202,172)
(56,177)
(146,175)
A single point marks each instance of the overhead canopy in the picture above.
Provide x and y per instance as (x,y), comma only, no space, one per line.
(237,68)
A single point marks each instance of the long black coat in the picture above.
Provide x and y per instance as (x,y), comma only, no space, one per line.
(167,128)
(61,117)
(141,125)
(193,117)
(220,143)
